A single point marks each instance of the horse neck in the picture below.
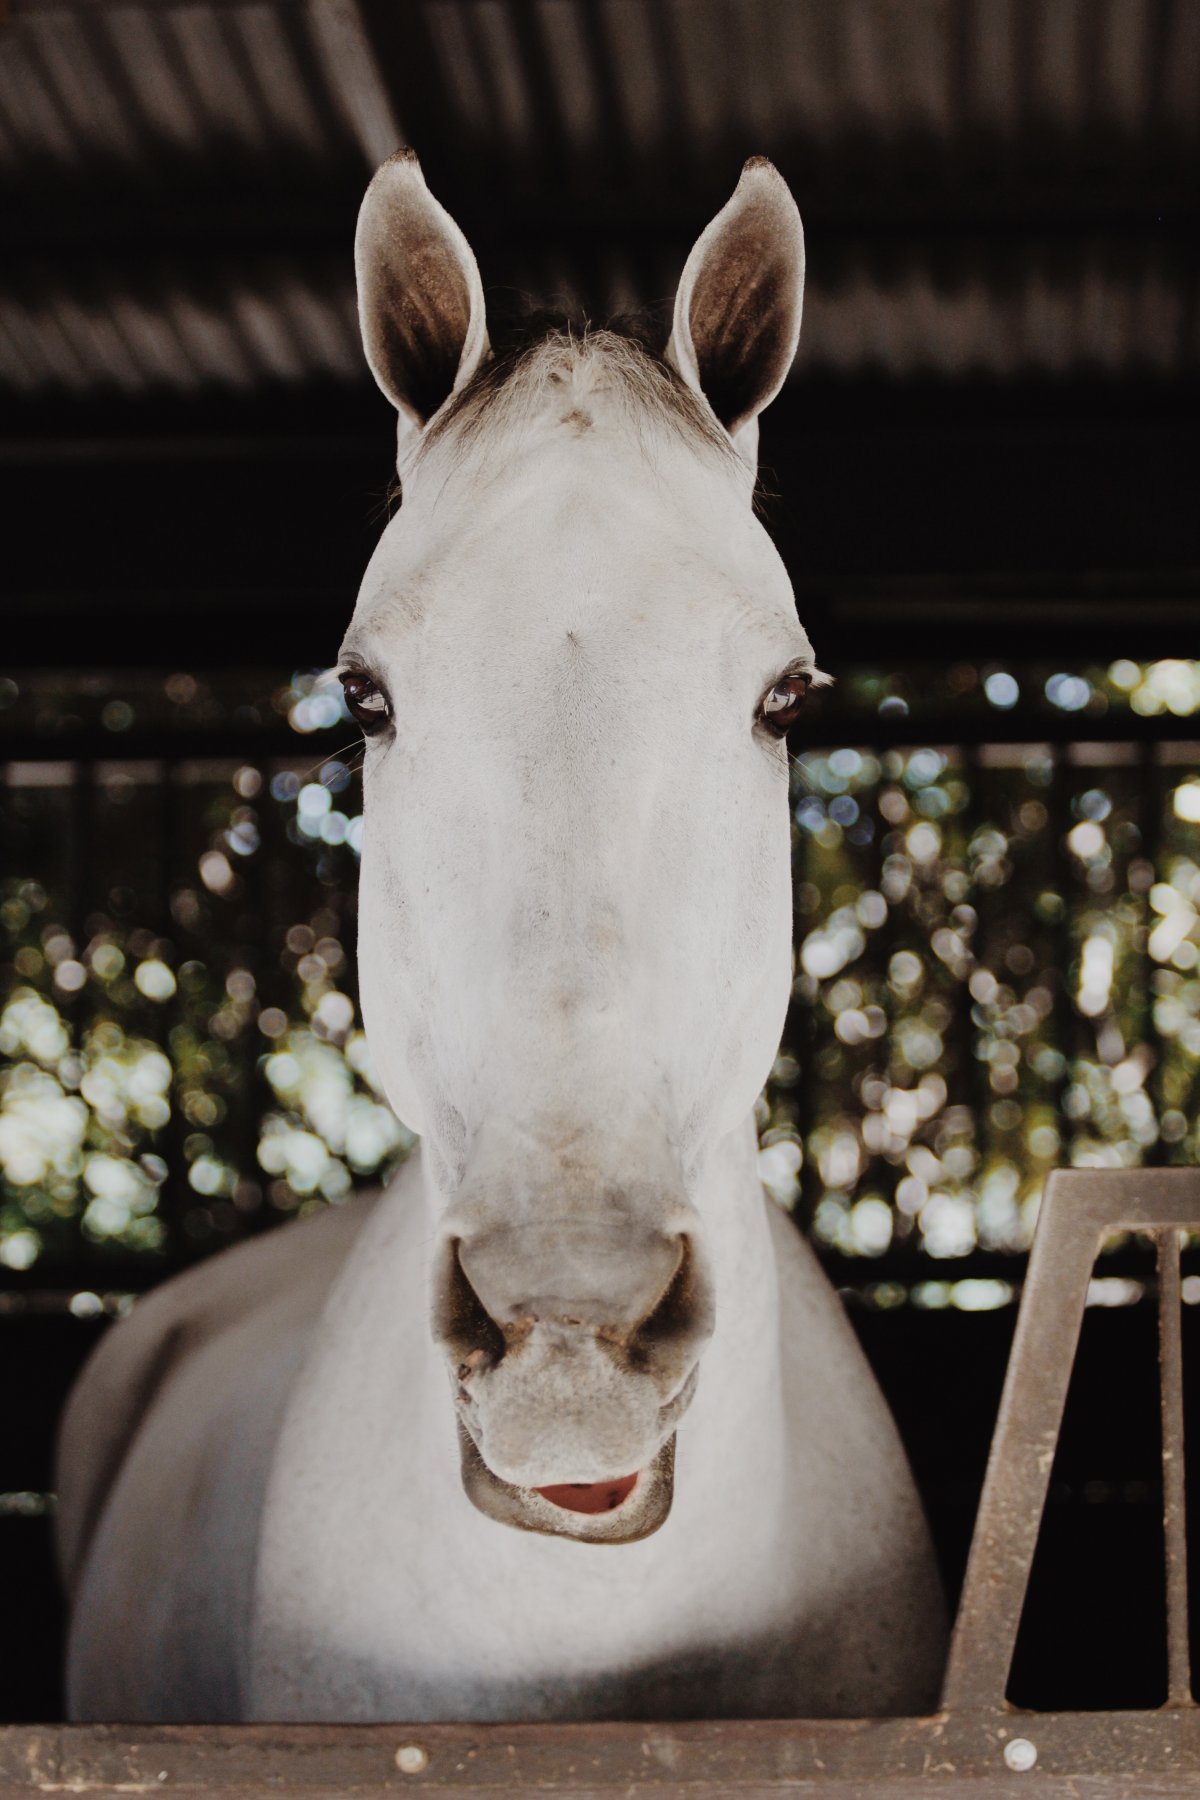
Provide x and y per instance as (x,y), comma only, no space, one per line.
(737,1227)
(741,1377)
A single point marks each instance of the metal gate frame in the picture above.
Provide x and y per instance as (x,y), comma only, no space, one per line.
(976,1744)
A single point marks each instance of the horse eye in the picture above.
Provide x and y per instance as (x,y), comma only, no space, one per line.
(366,702)
(781,705)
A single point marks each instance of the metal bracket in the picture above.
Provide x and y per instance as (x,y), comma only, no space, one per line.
(1080,1208)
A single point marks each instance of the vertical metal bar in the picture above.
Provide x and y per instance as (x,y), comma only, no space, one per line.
(1170,1353)
(1149,818)
(1023,1446)
(78,850)
(800,1034)
(297,31)
(1065,1019)
(613,154)
(1079,1208)
(407,61)
(171,827)
(674,154)
(255,948)
(553,146)
(880,945)
(971,1089)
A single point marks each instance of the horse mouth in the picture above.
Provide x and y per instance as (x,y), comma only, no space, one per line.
(617,1511)
(590,1496)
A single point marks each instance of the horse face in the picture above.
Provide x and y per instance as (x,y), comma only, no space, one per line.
(572,653)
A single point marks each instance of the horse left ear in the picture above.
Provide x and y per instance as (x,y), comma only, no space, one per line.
(737,312)
(420,297)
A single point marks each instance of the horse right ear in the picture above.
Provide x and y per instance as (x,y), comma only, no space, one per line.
(420,298)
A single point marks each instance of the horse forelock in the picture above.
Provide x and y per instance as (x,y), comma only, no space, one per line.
(566,364)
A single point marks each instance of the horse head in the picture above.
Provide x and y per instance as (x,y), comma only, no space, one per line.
(574,655)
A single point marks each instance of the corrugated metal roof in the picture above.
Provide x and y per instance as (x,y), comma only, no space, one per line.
(1006,79)
(96,89)
(296,322)
(229,327)
(991,186)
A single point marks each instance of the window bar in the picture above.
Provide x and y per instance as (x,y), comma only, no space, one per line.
(877,956)
(10,859)
(801,1038)
(1179,1676)
(78,851)
(274,990)
(1150,803)
(802,1041)
(172,801)
(1065,1019)
(971,1086)
(254,950)
(610,88)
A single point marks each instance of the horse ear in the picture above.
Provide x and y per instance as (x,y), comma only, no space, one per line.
(737,312)
(420,298)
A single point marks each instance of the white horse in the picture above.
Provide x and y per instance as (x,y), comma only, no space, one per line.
(638,1467)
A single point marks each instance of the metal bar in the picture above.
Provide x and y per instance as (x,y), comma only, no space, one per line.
(78,849)
(552,147)
(800,1032)
(987,1756)
(170,838)
(899,1264)
(236,743)
(1170,1353)
(295,27)
(264,964)
(1063,1018)
(674,157)
(1080,1207)
(970,1086)
(614,151)
(1150,804)
(489,125)
(231,744)
(881,944)
(406,57)
(1023,1445)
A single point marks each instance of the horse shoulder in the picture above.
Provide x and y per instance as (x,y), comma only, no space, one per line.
(136,1361)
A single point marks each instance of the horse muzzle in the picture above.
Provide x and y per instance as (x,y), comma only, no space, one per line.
(568,1406)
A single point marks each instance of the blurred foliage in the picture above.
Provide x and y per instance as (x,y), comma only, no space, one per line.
(997,965)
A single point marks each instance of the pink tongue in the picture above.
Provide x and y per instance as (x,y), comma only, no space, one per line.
(589,1496)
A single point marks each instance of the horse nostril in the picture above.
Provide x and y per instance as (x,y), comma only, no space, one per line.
(644,1296)
(461,1321)
(671,1337)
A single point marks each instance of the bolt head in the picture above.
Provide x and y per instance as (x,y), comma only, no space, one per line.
(1020,1754)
